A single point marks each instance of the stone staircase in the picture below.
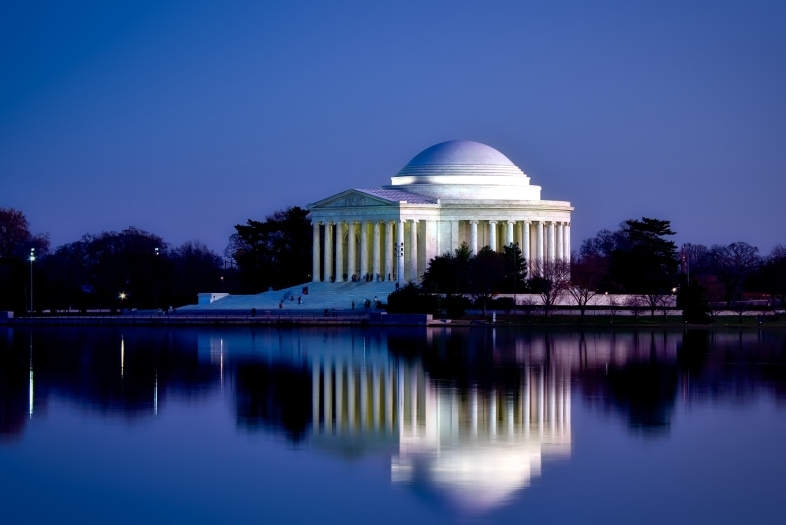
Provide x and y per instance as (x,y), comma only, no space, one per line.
(320,296)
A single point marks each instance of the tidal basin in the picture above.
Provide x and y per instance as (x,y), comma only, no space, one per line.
(406,425)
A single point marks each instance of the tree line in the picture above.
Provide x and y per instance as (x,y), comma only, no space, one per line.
(639,259)
(133,268)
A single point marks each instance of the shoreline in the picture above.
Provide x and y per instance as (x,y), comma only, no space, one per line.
(367,321)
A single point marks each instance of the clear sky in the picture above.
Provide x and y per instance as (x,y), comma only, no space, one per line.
(185,118)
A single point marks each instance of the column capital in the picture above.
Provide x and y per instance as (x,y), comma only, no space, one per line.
(493,222)
(511,222)
(473,222)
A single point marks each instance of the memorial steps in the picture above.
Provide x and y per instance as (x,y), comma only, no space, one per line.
(320,296)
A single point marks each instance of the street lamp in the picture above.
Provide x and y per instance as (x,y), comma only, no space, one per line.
(32,258)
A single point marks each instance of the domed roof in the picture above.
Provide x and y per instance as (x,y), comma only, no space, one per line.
(459,157)
(464,152)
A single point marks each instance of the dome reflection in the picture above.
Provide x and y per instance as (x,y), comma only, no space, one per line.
(476,447)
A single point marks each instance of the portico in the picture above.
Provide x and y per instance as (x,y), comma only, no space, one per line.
(452,193)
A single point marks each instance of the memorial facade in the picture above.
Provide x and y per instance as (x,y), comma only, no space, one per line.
(451,193)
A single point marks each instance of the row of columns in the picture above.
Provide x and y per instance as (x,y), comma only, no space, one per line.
(552,238)
(551,241)
(392,250)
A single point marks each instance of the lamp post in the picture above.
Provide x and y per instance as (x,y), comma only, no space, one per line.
(155,274)
(32,258)
(686,257)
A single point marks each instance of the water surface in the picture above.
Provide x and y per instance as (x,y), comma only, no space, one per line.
(345,425)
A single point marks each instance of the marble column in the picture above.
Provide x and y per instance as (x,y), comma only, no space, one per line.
(328,251)
(552,242)
(454,236)
(509,237)
(375,269)
(388,250)
(539,242)
(339,251)
(413,251)
(560,247)
(363,250)
(473,237)
(315,253)
(525,251)
(566,241)
(351,251)
(400,252)
(493,235)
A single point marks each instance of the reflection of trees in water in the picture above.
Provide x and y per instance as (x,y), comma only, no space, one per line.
(735,365)
(637,375)
(14,381)
(464,359)
(273,396)
(91,368)
(643,393)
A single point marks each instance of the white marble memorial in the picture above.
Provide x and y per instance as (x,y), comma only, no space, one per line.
(452,193)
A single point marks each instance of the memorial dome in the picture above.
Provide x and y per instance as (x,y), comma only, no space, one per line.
(459,157)
(465,170)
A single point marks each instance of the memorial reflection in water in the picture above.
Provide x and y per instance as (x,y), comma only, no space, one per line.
(473,416)
(478,445)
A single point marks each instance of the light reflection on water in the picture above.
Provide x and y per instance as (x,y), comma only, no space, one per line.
(469,418)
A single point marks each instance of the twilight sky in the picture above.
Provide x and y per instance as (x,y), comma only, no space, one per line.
(185,118)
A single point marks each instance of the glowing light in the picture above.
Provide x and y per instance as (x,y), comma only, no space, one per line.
(122,295)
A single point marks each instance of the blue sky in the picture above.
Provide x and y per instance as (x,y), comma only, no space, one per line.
(185,118)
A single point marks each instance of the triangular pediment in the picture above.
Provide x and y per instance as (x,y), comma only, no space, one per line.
(351,199)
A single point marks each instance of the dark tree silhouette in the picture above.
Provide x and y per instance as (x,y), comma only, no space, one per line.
(732,265)
(275,252)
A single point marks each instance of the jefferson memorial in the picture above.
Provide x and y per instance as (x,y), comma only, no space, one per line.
(451,193)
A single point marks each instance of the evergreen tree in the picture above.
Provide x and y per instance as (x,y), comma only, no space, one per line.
(275,252)
(646,262)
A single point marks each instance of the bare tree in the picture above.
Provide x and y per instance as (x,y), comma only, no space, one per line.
(732,264)
(773,275)
(654,301)
(529,304)
(635,303)
(551,280)
(665,307)
(585,275)
(614,306)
